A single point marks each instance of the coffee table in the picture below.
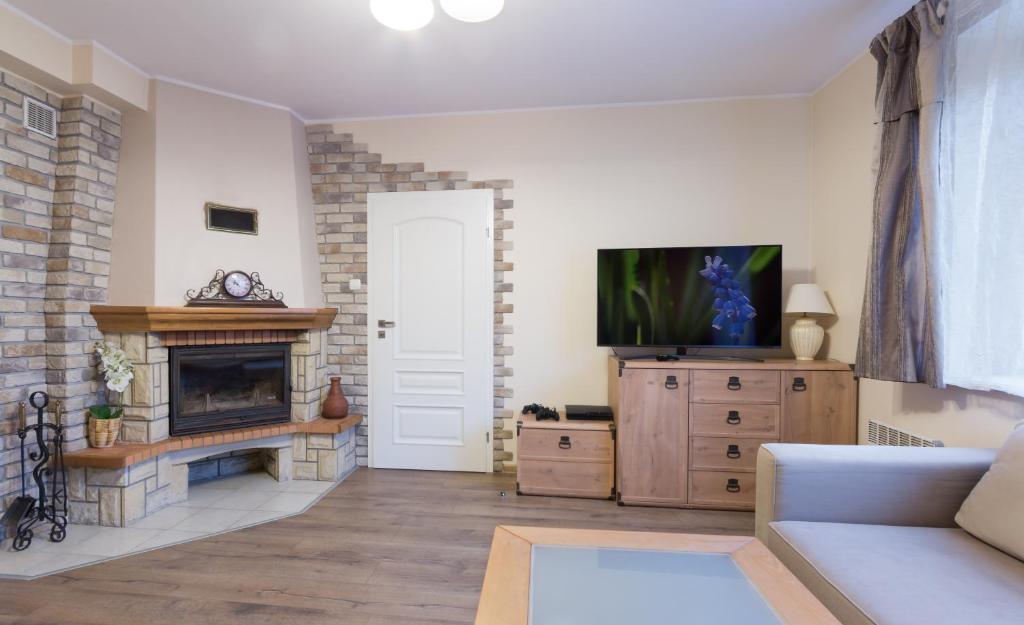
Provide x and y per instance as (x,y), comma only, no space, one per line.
(548,576)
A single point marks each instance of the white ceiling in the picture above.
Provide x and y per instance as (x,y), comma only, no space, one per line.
(329,59)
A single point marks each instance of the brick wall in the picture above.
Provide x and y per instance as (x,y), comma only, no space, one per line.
(56,211)
(343,172)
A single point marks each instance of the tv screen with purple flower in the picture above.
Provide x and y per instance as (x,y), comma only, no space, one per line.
(715,296)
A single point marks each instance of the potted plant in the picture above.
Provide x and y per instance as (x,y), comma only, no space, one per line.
(104,423)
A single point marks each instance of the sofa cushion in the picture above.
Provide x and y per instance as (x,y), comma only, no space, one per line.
(994,510)
(892,575)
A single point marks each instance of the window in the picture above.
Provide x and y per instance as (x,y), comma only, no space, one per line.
(982,227)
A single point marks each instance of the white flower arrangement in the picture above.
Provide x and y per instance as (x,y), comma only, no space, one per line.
(117,370)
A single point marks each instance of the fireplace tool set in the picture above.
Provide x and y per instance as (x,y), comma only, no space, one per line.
(48,473)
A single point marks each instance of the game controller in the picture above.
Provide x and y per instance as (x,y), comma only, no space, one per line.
(542,412)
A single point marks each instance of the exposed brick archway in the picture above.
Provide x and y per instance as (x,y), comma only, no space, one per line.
(342,173)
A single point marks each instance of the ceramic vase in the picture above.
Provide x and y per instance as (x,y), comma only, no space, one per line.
(805,337)
(335,404)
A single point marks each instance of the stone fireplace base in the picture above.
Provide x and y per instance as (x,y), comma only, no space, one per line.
(119,496)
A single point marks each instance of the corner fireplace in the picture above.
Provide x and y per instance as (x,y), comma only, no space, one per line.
(225,387)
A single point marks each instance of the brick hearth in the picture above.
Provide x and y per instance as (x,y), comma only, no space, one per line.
(125,455)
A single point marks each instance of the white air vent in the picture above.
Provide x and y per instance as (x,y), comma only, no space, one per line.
(884,434)
(41,118)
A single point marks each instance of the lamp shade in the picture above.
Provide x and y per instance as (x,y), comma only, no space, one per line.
(403,14)
(808,299)
(473,10)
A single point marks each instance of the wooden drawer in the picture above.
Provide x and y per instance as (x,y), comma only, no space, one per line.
(735,386)
(740,420)
(565,479)
(725,454)
(729,489)
(552,444)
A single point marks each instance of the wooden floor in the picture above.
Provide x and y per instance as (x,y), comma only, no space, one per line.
(384,548)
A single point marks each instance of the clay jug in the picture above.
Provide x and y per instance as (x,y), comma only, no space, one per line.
(335,404)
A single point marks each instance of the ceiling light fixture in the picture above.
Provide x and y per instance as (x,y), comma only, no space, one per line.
(403,14)
(473,10)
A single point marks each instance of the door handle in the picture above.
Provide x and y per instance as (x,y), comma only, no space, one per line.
(733,485)
(799,385)
(385,324)
(671,383)
(733,452)
(733,418)
(734,383)
(564,443)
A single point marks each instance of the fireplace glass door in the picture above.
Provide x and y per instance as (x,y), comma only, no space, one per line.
(229,386)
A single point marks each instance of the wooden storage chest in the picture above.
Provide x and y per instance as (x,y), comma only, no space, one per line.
(566,458)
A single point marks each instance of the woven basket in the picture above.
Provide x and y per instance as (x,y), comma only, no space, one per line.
(103,432)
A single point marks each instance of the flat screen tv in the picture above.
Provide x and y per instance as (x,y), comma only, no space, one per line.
(715,296)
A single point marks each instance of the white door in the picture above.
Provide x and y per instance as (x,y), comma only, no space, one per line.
(431,302)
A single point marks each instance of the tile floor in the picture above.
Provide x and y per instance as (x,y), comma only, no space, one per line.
(212,507)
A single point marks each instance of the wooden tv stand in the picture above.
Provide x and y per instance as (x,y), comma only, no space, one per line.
(689,430)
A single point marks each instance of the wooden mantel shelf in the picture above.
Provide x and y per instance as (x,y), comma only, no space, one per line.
(127,454)
(176,318)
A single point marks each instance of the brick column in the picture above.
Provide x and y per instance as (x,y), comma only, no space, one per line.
(78,263)
(309,374)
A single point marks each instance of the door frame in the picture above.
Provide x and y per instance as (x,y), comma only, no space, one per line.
(487,200)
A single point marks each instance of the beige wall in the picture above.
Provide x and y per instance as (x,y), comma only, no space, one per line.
(53,61)
(208,147)
(29,48)
(97,67)
(133,262)
(309,258)
(722,172)
(843,131)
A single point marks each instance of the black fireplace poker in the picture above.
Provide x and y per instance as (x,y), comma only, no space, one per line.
(51,505)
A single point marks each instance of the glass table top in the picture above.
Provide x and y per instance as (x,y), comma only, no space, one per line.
(603,586)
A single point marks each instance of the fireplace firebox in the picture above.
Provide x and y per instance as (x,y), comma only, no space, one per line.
(224,387)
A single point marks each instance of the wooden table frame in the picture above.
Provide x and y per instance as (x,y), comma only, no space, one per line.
(505,599)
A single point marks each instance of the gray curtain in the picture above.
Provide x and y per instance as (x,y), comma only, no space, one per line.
(899,326)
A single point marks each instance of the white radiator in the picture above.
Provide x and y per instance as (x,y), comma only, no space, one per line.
(884,434)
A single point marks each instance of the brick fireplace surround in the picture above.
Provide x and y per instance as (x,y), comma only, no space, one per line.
(120,485)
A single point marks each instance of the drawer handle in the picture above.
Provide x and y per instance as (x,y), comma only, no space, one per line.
(564,443)
(671,383)
(733,485)
(733,452)
(799,385)
(733,418)
(734,383)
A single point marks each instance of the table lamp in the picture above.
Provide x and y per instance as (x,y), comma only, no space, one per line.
(806,335)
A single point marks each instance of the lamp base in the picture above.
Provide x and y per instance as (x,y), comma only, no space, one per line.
(805,336)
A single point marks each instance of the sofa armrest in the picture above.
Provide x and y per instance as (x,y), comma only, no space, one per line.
(910,486)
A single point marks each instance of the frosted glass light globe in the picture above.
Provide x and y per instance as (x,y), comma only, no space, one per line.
(473,10)
(403,14)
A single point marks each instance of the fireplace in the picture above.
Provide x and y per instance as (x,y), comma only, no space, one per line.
(229,386)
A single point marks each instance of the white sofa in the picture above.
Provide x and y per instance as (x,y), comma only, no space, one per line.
(870,531)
